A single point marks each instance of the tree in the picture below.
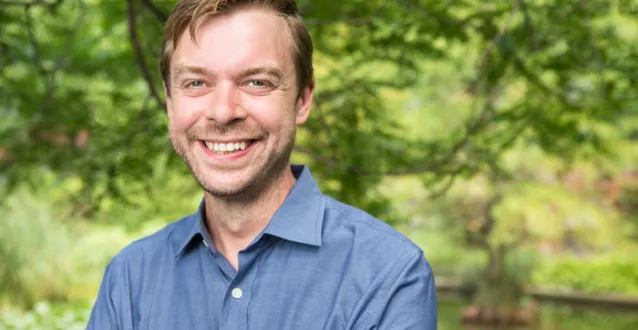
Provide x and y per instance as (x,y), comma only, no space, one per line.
(81,93)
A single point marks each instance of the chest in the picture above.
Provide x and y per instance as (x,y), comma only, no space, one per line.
(271,290)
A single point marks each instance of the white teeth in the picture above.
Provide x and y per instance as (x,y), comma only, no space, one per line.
(226,147)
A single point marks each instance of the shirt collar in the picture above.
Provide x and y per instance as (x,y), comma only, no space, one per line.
(191,231)
(298,219)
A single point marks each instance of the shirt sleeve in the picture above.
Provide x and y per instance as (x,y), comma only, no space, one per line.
(407,298)
(107,313)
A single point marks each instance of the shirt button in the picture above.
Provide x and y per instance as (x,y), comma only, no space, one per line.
(237,293)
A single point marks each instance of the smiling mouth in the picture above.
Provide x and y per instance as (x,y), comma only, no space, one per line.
(225,148)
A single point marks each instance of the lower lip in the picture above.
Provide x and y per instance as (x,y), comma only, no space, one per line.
(227,157)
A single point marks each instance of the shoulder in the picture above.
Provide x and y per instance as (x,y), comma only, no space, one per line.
(397,281)
(153,246)
(367,233)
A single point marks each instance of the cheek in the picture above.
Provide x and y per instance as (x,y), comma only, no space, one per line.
(185,112)
(272,114)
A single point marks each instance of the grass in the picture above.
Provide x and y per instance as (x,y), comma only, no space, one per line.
(46,316)
(46,257)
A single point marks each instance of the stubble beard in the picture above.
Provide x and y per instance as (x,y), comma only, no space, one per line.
(266,169)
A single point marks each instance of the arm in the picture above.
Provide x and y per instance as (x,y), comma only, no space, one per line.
(405,300)
(411,301)
(105,314)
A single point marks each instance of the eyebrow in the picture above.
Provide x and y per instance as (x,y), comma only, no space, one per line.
(268,70)
(182,69)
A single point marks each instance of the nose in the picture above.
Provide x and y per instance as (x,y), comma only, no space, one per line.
(224,107)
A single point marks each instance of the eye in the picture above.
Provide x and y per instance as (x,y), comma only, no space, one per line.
(259,83)
(195,84)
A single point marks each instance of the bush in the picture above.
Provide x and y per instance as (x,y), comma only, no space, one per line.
(47,258)
(49,252)
(447,256)
(615,273)
(34,251)
(46,316)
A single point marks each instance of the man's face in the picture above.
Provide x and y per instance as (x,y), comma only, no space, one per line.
(233,107)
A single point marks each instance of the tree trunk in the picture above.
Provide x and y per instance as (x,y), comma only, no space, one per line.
(498,297)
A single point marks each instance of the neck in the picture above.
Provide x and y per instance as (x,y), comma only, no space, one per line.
(234,223)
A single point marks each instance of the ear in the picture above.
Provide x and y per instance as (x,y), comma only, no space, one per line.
(167,96)
(304,102)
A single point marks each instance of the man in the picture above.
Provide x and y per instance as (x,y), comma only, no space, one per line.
(266,249)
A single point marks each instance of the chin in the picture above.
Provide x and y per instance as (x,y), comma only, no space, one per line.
(234,187)
(226,190)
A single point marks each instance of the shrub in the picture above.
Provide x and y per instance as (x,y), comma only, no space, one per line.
(45,257)
(33,250)
(46,316)
(615,273)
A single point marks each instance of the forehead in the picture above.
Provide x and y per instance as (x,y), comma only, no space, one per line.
(235,41)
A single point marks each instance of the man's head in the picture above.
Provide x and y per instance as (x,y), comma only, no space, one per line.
(238,80)
(188,14)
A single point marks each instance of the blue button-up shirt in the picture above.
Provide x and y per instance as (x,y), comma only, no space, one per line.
(318,264)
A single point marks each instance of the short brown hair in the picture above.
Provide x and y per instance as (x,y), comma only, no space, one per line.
(187,14)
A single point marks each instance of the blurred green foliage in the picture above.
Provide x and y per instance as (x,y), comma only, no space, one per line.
(616,273)
(562,317)
(551,318)
(49,253)
(81,88)
(46,316)
(32,248)
(47,258)
(425,112)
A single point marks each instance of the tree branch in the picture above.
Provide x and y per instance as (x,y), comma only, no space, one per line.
(597,51)
(332,163)
(51,5)
(49,76)
(112,169)
(356,21)
(441,19)
(139,54)
(37,58)
(472,128)
(495,41)
(320,114)
(441,167)
(159,14)
(529,26)
(303,6)
(434,194)
(488,225)
(520,65)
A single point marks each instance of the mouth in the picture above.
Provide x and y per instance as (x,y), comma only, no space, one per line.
(228,148)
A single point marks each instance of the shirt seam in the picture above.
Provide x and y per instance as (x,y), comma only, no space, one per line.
(111,270)
(160,271)
(377,230)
